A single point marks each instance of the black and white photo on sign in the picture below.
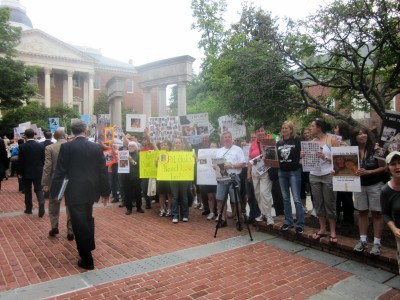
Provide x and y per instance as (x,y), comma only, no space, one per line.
(219,167)
(123,161)
(345,163)
(389,139)
(311,161)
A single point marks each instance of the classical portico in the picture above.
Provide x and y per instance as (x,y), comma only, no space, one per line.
(160,74)
(59,64)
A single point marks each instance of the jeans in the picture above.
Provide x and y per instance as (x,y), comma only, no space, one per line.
(292,180)
(179,191)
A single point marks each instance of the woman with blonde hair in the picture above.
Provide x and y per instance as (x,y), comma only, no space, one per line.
(289,155)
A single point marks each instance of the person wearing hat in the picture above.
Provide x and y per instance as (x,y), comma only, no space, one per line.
(390,198)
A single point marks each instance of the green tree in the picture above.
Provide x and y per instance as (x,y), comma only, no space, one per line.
(350,47)
(14,75)
(37,114)
(101,106)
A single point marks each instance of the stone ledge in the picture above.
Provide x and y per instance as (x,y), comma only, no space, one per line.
(344,248)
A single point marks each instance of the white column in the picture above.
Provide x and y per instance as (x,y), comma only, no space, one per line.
(147,103)
(116,118)
(162,100)
(47,86)
(181,98)
(86,96)
(70,89)
(91,93)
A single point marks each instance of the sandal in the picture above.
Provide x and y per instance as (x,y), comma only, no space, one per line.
(317,236)
(333,239)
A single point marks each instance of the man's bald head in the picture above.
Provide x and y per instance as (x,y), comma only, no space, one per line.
(59,134)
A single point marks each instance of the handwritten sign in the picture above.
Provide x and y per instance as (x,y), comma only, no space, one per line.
(148,164)
(176,166)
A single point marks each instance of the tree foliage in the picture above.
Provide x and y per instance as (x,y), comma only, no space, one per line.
(14,75)
(37,114)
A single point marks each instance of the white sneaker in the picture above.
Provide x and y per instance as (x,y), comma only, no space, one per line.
(270,220)
(210,216)
(259,219)
(216,218)
(162,213)
(313,213)
(174,220)
(201,206)
(185,219)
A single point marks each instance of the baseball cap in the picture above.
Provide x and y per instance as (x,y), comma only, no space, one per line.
(391,155)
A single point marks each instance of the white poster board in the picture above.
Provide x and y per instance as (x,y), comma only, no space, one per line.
(345,163)
(205,170)
(311,161)
(228,123)
(135,123)
(123,161)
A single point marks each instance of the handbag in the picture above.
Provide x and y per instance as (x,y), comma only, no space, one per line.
(273,174)
(151,188)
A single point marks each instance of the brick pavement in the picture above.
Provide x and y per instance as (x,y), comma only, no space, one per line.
(258,271)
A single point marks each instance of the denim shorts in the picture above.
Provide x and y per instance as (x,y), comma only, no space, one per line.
(223,187)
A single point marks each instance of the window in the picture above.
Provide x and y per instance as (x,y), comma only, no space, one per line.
(76,80)
(97,82)
(129,84)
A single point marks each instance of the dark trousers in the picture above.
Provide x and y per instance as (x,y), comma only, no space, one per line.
(133,192)
(113,180)
(37,188)
(83,227)
(344,202)
(277,198)
(251,201)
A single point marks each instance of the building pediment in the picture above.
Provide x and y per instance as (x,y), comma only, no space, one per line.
(40,44)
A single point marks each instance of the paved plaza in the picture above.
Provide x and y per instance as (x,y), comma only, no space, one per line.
(144,256)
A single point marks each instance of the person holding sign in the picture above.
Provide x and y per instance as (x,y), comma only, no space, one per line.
(390,198)
(179,191)
(164,188)
(372,175)
(289,154)
(258,175)
(234,164)
(321,181)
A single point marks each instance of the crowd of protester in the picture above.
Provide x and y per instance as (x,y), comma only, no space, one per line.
(266,193)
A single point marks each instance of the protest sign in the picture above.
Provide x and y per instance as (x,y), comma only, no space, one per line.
(345,164)
(123,161)
(164,128)
(389,139)
(54,123)
(110,158)
(311,161)
(176,166)
(205,170)
(135,123)
(228,123)
(109,135)
(270,153)
(148,164)
(194,127)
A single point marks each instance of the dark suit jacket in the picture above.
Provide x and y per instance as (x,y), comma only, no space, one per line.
(31,159)
(83,163)
(46,143)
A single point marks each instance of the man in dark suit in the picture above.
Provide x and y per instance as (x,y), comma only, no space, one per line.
(47,136)
(30,166)
(83,163)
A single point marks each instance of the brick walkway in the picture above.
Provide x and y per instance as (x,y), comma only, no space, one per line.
(256,270)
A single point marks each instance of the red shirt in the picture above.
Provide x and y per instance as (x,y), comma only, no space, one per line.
(254,151)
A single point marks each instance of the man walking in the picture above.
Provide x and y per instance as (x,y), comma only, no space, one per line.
(83,163)
(30,166)
(50,163)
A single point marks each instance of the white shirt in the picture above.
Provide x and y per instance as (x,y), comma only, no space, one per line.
(233,155)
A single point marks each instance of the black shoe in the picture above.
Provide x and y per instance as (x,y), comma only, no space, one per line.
(148,206)
(28,212)
(299,230)
(53,232)
(122,204)
(115,200)
(84,265)
(41,213)
(205,213)
(128,212)
(139,210)
(70,237)
(285,227)
(222,224)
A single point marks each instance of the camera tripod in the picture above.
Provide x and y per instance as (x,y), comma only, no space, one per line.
(232,183)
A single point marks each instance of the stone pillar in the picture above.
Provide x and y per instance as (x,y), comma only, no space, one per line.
(70,89)
(162,100)
(91,93)
(47,87)
(116,112)
(181,98)
(111,111)
(147,103)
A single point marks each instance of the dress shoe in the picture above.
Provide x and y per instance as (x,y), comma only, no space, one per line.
(139,210)
(70,237)
(205,213)
(122,204)
(128,212)
(53,232)
(148,206)
(28,212)
(84,265)
(115,200)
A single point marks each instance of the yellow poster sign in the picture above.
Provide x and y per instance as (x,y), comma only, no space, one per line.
(175,166)
(148,164)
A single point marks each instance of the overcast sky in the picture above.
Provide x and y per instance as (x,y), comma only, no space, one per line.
(145,30)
